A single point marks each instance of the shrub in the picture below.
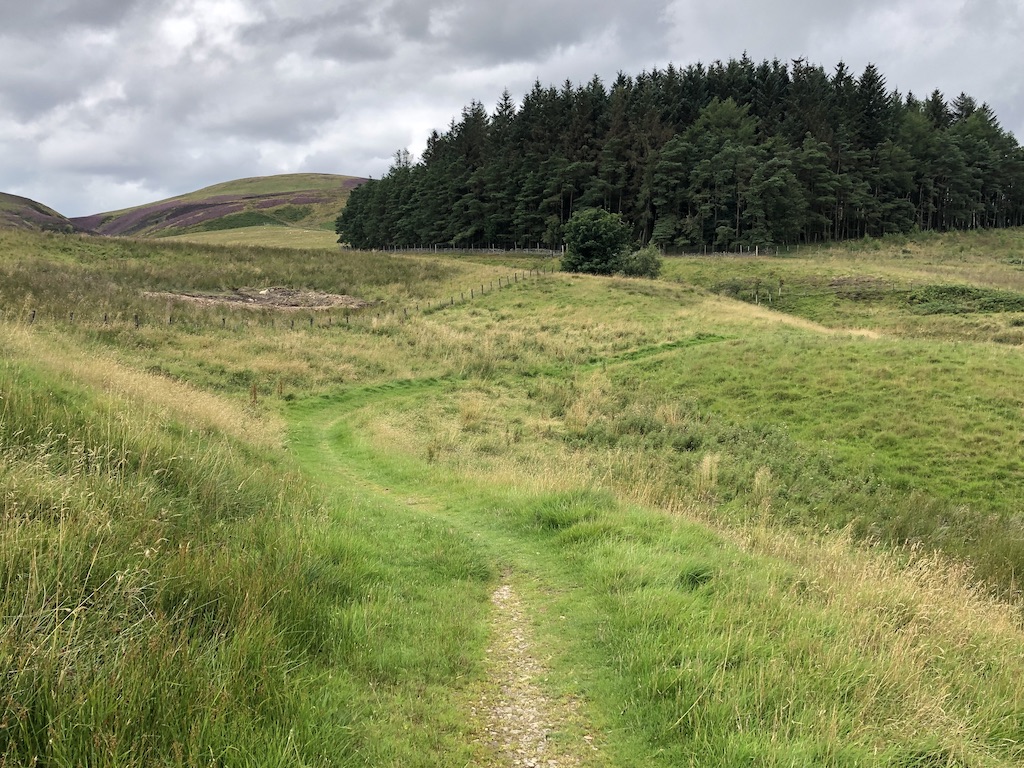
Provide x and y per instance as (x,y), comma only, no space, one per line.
(595,242)
(645,262)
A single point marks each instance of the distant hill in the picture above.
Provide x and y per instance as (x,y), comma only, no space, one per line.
(22,213)
(307,200)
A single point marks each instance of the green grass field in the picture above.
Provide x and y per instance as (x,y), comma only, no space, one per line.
(762,511)
(266,237)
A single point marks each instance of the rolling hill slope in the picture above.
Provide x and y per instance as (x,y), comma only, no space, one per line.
(23,213)
(308,200)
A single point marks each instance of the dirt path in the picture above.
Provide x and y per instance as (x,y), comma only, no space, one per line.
(522,726)
(513,722)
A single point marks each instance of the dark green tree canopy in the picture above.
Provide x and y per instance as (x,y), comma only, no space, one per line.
(595,242)
(727,154)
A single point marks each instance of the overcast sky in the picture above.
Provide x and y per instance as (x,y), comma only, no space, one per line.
(106,104)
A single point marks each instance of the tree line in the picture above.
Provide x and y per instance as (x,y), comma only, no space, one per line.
(723,155)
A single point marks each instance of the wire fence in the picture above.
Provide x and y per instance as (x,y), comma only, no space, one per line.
(745,250)
(677,251)
(182,311)
(469,250)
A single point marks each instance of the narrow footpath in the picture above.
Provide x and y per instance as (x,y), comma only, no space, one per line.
(522,722)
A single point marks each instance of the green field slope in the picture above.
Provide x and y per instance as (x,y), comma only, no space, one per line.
(757,512)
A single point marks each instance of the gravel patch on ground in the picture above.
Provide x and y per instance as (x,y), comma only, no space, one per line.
(274,298)
(522,726)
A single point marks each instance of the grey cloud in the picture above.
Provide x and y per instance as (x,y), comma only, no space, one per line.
(297,122)
(23,97)
(529,30)
(96,104)
(274,29)
(725,29)
(339,35)
(350,47)
(42,18)
(411,18)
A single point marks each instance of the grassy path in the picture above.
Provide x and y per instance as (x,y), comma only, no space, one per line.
(643,639)
(519,716)
(459,570)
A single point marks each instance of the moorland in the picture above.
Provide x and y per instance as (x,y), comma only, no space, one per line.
(759,511)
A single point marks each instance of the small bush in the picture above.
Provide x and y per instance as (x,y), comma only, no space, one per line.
(595,242)
(645,262)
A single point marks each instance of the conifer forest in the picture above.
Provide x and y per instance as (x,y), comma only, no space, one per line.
(722,156)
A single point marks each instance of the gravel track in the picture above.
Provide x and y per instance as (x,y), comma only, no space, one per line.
(519,719)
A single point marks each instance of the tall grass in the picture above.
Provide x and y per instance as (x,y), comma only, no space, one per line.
(155,602)
(795,652)
(59,274)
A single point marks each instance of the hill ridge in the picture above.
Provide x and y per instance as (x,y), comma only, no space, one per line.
(19,212)
(303,200)
(310,200)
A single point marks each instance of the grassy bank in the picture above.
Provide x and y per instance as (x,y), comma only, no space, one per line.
(155,605)
(175,593)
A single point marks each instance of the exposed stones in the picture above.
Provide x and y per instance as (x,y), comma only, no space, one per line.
(519,719)
(273,298)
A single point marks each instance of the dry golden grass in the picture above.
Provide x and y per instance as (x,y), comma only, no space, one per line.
(267,236)
(942,649)
(743,316)
(150,392)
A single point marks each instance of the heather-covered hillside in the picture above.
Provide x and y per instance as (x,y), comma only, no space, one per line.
(23,213)
(306,200)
